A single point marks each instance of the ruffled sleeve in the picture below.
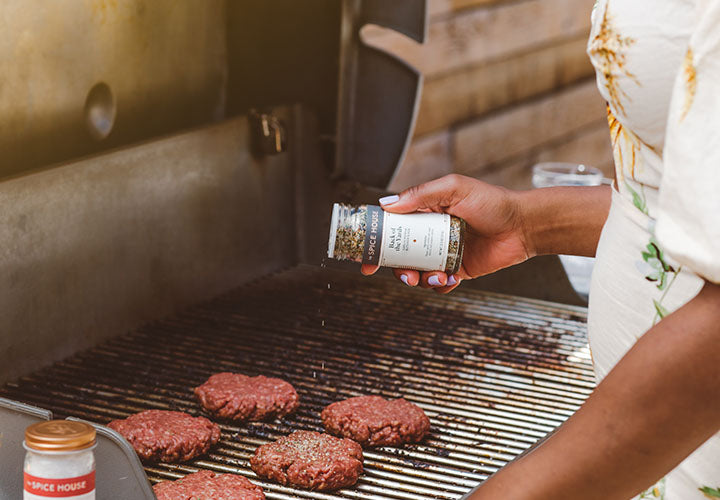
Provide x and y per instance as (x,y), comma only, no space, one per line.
(688,223)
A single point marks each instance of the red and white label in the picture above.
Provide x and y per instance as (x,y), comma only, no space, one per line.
(77,488)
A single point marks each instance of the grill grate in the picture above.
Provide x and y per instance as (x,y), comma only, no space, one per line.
(494,373)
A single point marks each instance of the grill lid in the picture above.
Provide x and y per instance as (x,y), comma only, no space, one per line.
(379,94)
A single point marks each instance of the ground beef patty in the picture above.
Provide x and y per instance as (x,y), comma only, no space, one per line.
(209,485)
(167,436)
(239,397)
(310,460)
(375,421)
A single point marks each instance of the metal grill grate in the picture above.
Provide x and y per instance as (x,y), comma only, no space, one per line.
(494,373)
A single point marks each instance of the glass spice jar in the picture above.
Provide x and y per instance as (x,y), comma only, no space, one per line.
(59,461)
(422,241)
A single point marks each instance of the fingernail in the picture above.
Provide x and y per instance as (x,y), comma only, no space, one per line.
(404,279)
(389,200)
(452,280)
(433,281)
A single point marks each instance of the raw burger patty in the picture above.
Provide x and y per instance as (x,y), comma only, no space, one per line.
(310,460)
(375,421)
(209,485)
(239,397)
(167,436)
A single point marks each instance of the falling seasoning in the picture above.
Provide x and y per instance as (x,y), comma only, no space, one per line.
(369,235)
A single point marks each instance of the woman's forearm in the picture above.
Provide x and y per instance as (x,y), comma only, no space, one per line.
(656,406)
(564,220)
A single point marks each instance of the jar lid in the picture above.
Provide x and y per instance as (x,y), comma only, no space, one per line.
(60,435)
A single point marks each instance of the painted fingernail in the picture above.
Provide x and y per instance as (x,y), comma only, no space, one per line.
(404,279)
(452,280)
(389,200)
(433,281)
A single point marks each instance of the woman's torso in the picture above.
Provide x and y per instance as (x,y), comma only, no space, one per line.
(638,48)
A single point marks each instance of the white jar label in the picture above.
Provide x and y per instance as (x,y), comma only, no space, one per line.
(76,488)
(414,241)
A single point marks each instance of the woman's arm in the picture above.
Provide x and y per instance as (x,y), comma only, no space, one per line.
(654,408)
(564,220)
(505,227)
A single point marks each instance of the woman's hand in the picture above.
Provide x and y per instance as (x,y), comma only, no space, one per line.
(504,227)
(494,238)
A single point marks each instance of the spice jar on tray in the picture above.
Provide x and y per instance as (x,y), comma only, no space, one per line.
(59,462)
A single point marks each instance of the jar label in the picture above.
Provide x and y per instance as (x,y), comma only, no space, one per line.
(77,488)
(373,235)
(408,241)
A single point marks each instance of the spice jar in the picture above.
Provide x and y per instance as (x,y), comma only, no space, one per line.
(59,462)
(422,241)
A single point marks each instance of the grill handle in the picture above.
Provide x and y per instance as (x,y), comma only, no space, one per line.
(379,94)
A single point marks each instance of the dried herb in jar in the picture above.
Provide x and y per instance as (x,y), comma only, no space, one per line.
(423,241)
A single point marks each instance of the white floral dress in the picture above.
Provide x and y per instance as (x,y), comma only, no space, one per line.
(658,67)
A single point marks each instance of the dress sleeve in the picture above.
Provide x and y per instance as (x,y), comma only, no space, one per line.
(688,223)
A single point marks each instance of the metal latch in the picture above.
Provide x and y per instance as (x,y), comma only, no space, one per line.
(268,135)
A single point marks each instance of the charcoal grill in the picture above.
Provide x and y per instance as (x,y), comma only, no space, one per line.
(494,373)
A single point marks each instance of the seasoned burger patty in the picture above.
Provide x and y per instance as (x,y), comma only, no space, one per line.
(239,397)
(167,436)
(310,460)
(375,421)
(209,485)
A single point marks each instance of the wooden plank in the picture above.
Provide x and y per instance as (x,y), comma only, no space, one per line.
(440,7)
(590,146)
(510,133)
(428,158)
(514,174)
(480,35)
(466,94)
